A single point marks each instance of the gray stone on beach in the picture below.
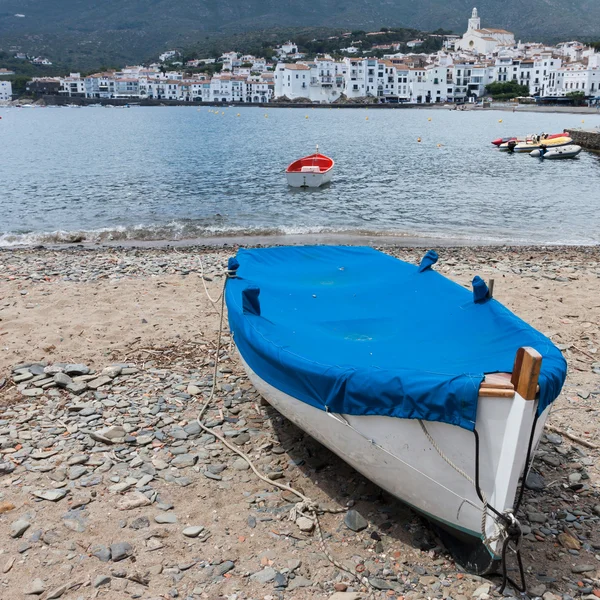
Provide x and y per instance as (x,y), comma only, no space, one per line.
(94,384)
(536,517)
(239,464)
(355,521)
(18,528)
(112,433)
(76,472)
(193,531)
(78,459)
(299,582)
(22,377)
(76,369)
(551,460)
(120,551)
(184,460)
(305,524)
(77,387)
(33,393)
(554,438)
(264,576)
(6,467)
(112,371)
(58,592)
(51,495)
(241,439)
(102,553)
(192,428)
(140,523)
(535,482)
(101,580)
(35,588)
(62,380)
(224,567)
(166,518)
(584,568)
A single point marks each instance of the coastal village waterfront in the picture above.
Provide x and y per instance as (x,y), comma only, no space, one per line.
(108,487)
(458,73)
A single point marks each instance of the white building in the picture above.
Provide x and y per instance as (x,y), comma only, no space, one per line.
(168,55)
(5,91)
(292,80)
(100,85)
(483,41)
(230,60)
(286,49)
(576,77)
(72,86)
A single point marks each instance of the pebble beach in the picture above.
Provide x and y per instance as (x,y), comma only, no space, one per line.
(109,487)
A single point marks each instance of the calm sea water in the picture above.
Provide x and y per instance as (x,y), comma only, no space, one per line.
(183,172)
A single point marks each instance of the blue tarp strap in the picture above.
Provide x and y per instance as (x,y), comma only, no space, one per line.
(481,293)
(250,301)
(428,260)
(232,266)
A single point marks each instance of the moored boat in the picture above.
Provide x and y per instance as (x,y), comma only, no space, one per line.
(407,376)
(310,171)
(531,145)
(569,151)
(545,136)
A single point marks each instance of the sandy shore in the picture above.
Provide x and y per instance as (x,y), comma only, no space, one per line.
(145,311)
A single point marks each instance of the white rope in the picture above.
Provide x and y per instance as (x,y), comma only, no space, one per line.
(204,284)
(500,532)
(306,505)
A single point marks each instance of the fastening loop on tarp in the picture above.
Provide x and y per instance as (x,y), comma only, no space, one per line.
(232,267)
(481,293)
(430,258)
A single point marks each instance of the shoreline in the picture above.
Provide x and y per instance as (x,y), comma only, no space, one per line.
(343,239)
(65,101)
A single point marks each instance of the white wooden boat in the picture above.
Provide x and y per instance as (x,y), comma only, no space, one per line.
(310,171)
(569,151)
(296,317)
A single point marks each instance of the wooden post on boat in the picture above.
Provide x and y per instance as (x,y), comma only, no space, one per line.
(526,372)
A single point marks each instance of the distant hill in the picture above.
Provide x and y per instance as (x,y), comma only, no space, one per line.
(127,30)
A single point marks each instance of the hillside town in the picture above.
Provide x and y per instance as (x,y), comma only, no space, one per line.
(458,73)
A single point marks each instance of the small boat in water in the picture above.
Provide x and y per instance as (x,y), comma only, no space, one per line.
(407,376)
(569,151)
(500,141)
(531,145)
(310,171)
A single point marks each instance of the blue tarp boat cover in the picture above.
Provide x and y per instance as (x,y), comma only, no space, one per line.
(355,331)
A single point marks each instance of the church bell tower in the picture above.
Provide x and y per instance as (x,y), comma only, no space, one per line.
(474,21)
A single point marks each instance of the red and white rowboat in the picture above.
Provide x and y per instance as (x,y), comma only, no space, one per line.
(311,171)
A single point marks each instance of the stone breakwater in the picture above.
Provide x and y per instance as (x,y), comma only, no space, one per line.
(109,488)
(586,138)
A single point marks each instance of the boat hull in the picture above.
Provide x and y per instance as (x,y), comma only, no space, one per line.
(397,456)
(554,143)
(308,180)
(569,151)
